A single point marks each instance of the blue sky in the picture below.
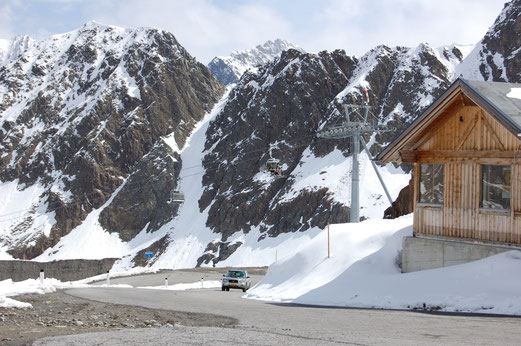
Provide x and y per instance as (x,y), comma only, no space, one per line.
(216,27)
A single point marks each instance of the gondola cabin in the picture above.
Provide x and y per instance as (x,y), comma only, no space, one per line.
(466,152)
(176,197)
(273,165)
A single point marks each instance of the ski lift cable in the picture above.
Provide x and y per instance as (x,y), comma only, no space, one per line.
(98,196)
(101,195)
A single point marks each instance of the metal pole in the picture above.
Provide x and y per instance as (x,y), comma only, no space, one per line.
(108,278)
(354,214)
(376,170)
(166,282)
(328,243)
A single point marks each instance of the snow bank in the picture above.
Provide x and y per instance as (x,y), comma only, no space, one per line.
(187,286)
(8,288)
(364,272)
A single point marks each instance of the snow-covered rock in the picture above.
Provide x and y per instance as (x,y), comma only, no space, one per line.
(229,69)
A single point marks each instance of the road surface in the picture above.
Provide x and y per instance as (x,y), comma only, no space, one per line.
(265,323)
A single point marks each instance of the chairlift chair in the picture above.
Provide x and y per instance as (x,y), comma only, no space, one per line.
(273,166)
(176,197)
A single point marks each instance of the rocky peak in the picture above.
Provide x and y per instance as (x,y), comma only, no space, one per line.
(498,54)
(229,69)
(84,114)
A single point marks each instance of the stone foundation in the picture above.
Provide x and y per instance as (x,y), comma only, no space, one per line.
(421,253)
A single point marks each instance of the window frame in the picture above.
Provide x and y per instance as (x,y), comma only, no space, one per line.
(430,203)
(482,191)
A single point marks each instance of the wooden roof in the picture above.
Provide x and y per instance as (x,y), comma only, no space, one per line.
(490,96)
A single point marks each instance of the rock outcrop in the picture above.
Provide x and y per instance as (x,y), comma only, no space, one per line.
(90,113)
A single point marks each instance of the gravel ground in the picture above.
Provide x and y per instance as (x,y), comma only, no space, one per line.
(58,313)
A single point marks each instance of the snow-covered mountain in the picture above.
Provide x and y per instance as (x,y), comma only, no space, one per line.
(98,125)
(229,69)
(497,57)
(88,113)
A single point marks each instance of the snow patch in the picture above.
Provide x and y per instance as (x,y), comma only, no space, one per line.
(514,93)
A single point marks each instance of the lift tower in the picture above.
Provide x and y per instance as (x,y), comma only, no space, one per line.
(350,127)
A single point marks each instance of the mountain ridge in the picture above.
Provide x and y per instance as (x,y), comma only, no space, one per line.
(229,69)
(94,135)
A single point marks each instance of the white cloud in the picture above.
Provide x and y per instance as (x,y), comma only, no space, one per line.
(207,28)
(359,25)
(6,19)
(203,28)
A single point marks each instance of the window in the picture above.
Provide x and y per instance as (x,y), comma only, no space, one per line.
(431,183)
(495,187)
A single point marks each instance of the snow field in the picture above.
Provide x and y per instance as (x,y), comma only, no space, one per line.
(363,272)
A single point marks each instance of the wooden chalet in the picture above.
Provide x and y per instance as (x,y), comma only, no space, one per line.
(466,151)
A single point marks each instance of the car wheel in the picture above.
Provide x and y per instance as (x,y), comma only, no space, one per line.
(222,288)
(244,289)
(227,289)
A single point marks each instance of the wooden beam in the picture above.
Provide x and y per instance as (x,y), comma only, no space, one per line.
(467,133)
(491,129)
(467,154)
(418,130)
(408,155)
(430,130)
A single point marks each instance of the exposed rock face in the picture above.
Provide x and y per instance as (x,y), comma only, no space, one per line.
(283,105)
(84,114)
(91,123)
(229,69)
(498,56)
(263,110)
(403,204)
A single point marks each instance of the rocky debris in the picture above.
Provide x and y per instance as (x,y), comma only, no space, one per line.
(218,251)
(60,314)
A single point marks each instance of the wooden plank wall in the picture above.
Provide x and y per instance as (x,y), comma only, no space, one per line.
(461,216)
(470,129)
(429,219)
(459,209)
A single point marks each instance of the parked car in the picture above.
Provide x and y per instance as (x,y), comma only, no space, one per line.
(236,279)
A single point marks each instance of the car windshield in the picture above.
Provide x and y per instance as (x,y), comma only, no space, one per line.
(235,274)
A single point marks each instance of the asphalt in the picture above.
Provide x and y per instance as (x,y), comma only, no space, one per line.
(267,323)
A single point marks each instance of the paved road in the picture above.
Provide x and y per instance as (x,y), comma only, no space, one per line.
(263,323)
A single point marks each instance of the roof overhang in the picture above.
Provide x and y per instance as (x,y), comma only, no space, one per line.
(400,149)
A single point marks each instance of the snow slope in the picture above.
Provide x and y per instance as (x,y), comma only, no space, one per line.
(363,272)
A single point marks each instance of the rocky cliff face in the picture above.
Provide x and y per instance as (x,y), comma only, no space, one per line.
(92,122)
(283,105)
(90,112)
(497,57)
(229,69)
